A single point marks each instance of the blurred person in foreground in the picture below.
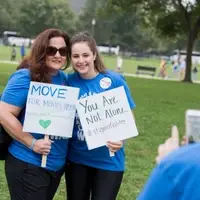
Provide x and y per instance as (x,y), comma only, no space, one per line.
(177,174)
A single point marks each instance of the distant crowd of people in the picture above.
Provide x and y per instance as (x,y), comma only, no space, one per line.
(178,69)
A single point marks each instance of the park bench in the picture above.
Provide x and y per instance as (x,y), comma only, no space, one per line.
(146,70)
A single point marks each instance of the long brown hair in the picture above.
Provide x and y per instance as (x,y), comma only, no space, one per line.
(86,37)
(36,60)
(24,64)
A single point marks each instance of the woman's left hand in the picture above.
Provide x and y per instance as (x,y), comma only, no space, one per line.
(114,146)
(170,145)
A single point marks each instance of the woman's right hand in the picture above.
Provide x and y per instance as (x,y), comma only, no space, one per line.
(42,146)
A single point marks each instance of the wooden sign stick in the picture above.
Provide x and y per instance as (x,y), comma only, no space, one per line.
(44,157)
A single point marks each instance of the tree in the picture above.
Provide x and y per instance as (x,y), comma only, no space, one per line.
(171,18)
(88,13)
(37,15)
(9,15)
(115,28)
(62,16)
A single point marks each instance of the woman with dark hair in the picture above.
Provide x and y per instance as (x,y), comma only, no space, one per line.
(27,180)
(93,173)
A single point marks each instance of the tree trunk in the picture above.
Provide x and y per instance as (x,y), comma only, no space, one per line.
(190,44)
(192,36)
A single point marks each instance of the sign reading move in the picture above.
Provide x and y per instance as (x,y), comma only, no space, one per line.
(50,109)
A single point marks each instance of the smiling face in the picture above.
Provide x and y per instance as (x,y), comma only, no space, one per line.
(83,60)
(55,61)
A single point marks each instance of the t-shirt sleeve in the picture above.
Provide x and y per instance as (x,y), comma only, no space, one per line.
(16,90)
(159,186)
(122,82)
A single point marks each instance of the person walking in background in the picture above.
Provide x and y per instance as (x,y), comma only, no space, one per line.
(175,69)
(93,174)
(26,179)
(22,51)
(163,69)
(13,53)
(195,71)
(119,63)
(182,68)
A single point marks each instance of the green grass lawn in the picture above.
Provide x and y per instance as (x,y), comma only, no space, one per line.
(5,52)
(159,105)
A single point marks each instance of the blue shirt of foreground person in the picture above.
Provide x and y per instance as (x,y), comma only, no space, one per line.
(176,177)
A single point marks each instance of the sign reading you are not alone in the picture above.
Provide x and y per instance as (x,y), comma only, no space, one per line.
(50,109)
(106,117)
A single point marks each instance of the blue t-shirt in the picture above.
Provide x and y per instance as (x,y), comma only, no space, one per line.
(78,150)
(15,93)
(176,177)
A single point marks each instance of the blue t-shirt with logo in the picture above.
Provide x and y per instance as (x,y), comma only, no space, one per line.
(176,177)
(78,150)
(15,93)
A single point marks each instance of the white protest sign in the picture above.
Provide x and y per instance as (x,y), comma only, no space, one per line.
(106,117)
(50,109)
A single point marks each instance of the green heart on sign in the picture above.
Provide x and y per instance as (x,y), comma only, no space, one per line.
(44,124)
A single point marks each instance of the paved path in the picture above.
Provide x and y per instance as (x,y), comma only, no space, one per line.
(9,62)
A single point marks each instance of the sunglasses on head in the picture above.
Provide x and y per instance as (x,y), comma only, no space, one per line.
(51,51)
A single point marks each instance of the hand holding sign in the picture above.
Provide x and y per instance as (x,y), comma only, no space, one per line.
(170,145)
(42,146)
(114,146)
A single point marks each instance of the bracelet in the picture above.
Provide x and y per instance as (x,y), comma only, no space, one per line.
(32,144)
